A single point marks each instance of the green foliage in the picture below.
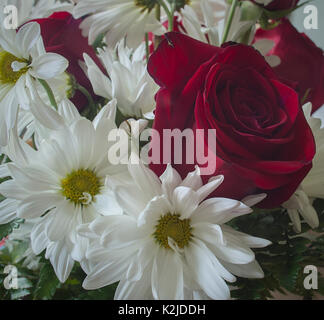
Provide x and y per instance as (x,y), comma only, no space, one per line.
(7,228)
(284,261)
(47,283)
(42,284)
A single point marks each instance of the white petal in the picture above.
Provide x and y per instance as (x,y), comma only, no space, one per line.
(27,36)
(10,189)
(234,251)
(8,208)
(295,219)
(209,187)
(310,216)
(170,179)
(4,172)
(61,260)
(107,112)
(193,180)
(249,270)
(218,210)
(130,199)
(101,84)
(250,241)
(144,178)
(204,272)
(33,179)
(167,276)
(136,290)
(156,208)
(106,204)
(68,111)
(105,273)
(84,135)
(37,204)
(39,240)
(185,201)
(45,114)
(48,66)
(252,200)
(208,232)
(61,221)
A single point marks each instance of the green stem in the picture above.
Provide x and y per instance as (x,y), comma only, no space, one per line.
(88,95)
(158,12)
(173,9)
(169,13)
(49,92)
(164,6)
(147,48)
(305,96)
(229,20)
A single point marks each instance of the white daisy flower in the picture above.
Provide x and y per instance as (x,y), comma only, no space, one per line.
(118,19)
(62,182)
(22,56)
(170,243)
(312,186)
(128,81)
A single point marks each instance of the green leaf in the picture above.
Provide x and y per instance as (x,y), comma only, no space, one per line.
(6,229)
(47,283)
(99,42)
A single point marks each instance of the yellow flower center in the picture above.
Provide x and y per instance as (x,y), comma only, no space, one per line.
(171,226)
(7,74)
(81,186)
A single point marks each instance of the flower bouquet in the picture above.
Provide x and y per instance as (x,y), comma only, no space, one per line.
(160,149)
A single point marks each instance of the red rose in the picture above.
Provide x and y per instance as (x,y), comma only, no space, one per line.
(277,5)
(301,60)
(61,34)
(264,143)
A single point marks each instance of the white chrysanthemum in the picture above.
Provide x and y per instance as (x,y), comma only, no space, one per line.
(131,18)
(30,9)
(22,56)
(62,182)
(170,243)
(210,28)
(200,20)
(128,81)
(34,122)
(313,185)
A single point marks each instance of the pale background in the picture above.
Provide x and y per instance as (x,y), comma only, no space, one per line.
(298,20)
